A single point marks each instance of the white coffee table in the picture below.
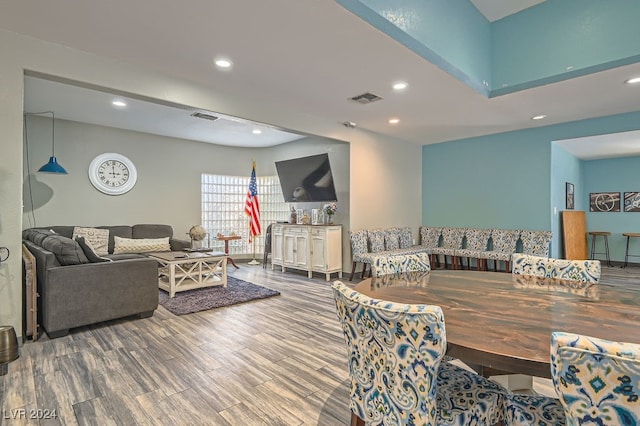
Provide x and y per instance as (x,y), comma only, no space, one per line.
(180,271)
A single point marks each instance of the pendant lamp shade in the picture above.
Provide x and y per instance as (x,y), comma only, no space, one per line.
(52,166)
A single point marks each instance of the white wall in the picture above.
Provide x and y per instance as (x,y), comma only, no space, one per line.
(384,174)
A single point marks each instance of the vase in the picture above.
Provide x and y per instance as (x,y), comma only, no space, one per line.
(329,219)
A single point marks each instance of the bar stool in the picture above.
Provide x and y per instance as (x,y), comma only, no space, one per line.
(605,235)
(629,235)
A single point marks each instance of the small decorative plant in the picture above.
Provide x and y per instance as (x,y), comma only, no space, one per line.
(330,209)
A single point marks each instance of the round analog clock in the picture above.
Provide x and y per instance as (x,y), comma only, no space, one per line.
(113,174)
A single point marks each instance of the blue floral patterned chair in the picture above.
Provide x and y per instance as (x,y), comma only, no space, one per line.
(534,410)
(405,238)
(573,270)
(359,250)
(477,242)
(598,381)
(392,239)
(536,243)
(451,241)
(387,265)
(397,377)
(505,242)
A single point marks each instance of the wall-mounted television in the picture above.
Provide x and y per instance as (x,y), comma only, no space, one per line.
(306,179)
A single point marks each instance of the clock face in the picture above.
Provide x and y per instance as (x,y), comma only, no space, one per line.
(113,174)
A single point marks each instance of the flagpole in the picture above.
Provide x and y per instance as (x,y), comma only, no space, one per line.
(254,261)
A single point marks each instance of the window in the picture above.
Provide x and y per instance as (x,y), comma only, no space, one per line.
(223,200)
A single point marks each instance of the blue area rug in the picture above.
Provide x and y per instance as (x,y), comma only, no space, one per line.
(202,299)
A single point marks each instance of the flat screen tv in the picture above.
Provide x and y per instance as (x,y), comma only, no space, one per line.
(306,179)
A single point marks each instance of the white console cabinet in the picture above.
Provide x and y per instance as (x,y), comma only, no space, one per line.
(311,248)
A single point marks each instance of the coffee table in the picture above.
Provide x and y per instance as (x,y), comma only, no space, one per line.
(180,271)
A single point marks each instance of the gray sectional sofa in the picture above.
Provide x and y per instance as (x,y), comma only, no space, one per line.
(75,291)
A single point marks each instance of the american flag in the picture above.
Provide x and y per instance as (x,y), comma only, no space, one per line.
(252,206)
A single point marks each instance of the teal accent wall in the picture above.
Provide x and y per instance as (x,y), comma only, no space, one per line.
(452,34)
(505,180)
(536,46)
(565,167)
(613,175)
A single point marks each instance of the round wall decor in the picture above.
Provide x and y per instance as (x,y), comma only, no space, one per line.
(112,173)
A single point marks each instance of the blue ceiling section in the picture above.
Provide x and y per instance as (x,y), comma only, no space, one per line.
(550,42)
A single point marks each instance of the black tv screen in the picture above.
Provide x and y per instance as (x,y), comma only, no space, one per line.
(306,179)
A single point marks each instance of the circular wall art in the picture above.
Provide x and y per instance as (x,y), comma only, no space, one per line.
(113,174)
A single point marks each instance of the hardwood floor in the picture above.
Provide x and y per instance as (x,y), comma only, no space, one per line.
(278,361)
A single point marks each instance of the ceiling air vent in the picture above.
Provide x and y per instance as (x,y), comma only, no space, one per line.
(204,116)
(366,98)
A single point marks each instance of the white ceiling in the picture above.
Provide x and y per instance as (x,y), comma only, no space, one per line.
(85,105)
(498,9)
(309,57)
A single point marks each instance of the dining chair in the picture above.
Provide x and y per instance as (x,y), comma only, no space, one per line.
(536,243)
(359,250)
(504,245)
(397,377)
(430,238)
(392,264)
(545,267)
(391,239)
(451,241)
(597,380)
(477,242)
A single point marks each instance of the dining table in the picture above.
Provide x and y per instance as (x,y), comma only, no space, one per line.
(503,321)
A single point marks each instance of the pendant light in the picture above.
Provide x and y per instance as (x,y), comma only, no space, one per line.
(52,166)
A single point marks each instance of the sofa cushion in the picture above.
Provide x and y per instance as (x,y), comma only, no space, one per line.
(89,251)
(36,235)
(98,238)
(140,245)
(66,250)
(151,231)
(123,231)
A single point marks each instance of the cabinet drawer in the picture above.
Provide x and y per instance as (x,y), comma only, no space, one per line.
(316,231)
(295,230)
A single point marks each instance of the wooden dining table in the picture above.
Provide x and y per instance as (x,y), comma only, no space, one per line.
(501,321)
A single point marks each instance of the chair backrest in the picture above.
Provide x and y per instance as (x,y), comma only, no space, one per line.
(505,240)
(546,267)
(358,242)
(392,264)
(376,240)
(452,237)
(392,239)
(597,380)
(267,239)
(477,239)
(430,236)
(535,242)
(393,373)
(406,237)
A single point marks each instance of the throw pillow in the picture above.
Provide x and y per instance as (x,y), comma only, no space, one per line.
(140,245)
(66,250)
(98,238)
(89,251)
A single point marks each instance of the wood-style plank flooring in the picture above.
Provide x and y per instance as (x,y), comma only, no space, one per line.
(278,361)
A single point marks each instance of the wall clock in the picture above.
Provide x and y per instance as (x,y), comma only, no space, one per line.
(112,173)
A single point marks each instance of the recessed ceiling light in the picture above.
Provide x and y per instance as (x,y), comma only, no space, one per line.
(538,117)
(400,85)
(394,120)
(256,131)
(633,80)
(223,63)
(119,103)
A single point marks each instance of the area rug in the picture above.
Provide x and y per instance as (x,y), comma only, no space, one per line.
(202,299)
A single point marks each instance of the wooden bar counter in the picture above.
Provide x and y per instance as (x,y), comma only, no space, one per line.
(504,322)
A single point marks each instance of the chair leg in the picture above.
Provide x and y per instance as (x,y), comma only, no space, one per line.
(353,271)
(364,270)
(356,421)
